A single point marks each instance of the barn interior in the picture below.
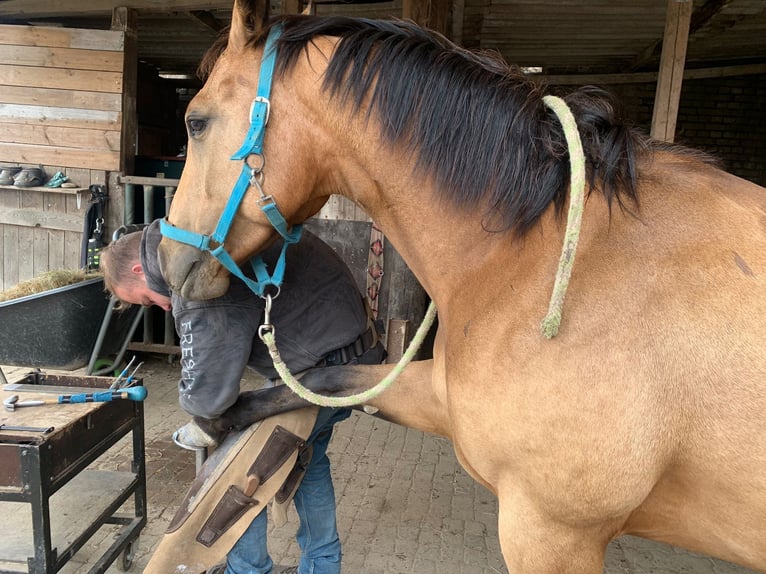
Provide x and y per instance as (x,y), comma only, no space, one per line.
(96,90)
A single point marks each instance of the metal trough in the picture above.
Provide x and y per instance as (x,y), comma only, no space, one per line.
(59,328)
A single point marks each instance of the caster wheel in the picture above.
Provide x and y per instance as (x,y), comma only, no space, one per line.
(128,554)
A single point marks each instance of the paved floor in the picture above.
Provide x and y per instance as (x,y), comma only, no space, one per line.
(404,503)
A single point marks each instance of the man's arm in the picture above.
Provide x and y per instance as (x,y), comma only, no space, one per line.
(215,339)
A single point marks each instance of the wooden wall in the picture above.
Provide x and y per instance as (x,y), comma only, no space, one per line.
(61,107)
(399,301)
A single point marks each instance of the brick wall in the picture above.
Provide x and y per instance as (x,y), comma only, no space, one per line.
(723,116)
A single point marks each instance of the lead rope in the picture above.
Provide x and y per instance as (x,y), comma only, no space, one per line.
(550,324)
(266,333)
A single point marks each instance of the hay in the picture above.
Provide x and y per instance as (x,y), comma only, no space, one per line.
(46,282)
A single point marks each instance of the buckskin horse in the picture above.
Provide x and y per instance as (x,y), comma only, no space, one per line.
(646,413)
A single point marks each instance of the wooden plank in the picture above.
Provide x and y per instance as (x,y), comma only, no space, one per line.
(144,180)
(56,37)
(126,20)
(58,78)
(40,251)
(64,117)
(433,14)
(10,256)
(55,203)
(458,21)
(60,98)
(55,190)
(668,93)
(69,58)
(70,157)
(61,8)
(339,207)
(29,200)
(26,219)
(10,263)
(61,137)
(397,338)
(81,177)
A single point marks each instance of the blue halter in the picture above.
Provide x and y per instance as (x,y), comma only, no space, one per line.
(250,176)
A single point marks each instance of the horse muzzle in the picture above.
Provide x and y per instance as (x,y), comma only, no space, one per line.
(191,273)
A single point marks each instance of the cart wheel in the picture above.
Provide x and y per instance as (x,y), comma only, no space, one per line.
(128,554)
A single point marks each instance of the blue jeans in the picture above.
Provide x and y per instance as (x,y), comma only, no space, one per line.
(314,501)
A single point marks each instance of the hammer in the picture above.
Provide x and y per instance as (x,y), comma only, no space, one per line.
(132,394)
(12,403)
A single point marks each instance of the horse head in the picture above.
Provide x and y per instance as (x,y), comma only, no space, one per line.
(218,121)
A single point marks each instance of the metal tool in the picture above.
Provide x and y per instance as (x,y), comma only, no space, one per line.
(12,403)
(116,382)
(131,394)
(44,430)
(131,378)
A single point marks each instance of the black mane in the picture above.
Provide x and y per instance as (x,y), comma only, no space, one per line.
(479,125)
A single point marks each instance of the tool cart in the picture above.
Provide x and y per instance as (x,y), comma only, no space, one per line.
(57,488)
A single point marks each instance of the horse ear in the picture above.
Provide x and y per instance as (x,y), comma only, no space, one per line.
(247,18)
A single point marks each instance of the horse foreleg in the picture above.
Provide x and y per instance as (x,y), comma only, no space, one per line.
(251,407)
(533,543)
(410,401)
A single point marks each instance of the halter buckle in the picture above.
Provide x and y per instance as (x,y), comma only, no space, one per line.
(265,102)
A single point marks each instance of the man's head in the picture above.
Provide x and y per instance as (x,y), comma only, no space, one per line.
(124,275)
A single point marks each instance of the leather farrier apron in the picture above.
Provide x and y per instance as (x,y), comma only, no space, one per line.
(235,484)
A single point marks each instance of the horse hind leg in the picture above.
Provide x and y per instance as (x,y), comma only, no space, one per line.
(535,544)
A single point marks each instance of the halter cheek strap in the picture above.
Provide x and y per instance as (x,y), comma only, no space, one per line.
(248,177)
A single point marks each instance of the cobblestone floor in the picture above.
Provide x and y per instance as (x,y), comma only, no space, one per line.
(404,503)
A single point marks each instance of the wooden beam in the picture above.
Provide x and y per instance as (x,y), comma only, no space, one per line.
(672,62)
(63,117)
(69,58)
(646,77)
(60,37)
(206,18)
(60,78)
(41,219)
(458,13)
(64,156)
(432,14)
(126,20)
(57,98)
(64,8)
(700,17)
(292,6)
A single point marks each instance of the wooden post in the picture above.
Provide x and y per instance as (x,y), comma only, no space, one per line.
(291,6)
(432,14)
(668,94)
(125,20)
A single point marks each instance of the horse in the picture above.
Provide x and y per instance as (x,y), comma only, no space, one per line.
(645,413)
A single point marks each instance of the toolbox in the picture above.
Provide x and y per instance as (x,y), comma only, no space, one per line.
(57,489)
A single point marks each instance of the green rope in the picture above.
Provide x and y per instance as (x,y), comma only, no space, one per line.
(359,398)
(552,321)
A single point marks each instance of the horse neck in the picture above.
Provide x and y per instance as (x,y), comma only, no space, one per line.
(448,248)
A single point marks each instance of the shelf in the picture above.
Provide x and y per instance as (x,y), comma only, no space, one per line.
(65,190)
(78,504)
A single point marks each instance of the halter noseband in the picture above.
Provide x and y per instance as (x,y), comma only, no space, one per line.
(249,176)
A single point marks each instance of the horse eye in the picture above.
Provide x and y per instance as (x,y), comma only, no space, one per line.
(195,126)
